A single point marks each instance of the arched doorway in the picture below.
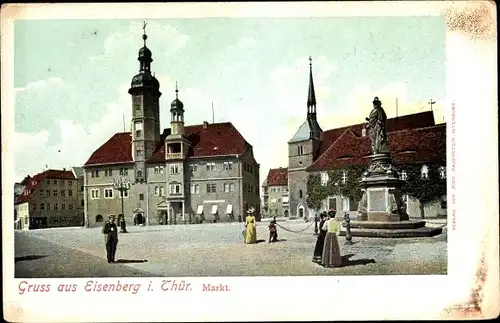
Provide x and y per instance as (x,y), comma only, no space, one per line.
(300,210)
(139,218)
(99,218)
(286,214)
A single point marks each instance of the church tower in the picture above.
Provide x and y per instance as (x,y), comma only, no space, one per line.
(301,150)
(145,92)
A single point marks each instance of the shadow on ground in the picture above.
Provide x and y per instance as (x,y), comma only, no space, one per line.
(347,262)
(129,261)
(30,257)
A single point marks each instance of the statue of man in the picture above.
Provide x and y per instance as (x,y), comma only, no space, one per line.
(376,125)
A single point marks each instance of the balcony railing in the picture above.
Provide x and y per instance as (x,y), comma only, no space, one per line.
(174,155)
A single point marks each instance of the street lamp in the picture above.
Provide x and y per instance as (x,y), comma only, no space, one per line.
(316,224)
(122,184)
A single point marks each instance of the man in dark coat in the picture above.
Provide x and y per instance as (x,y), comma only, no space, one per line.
(111,238)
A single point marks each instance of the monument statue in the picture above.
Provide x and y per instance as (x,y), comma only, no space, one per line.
(376,126)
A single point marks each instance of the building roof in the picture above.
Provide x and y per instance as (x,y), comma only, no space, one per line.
(421,145)
(410,121)
(277,177)
(304,131)
(38,179)
(217,139)
(77,171)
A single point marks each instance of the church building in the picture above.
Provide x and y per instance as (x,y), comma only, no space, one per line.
(185,174)
(413,139)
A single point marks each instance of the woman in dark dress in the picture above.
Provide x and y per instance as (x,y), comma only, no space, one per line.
(320,242)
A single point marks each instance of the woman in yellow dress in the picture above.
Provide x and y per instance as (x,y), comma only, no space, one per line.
(250,227)
(331,251)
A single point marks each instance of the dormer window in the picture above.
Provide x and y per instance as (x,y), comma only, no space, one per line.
(403,175)
(442,172)
(425,172)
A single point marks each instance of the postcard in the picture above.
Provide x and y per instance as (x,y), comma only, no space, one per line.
(249,161)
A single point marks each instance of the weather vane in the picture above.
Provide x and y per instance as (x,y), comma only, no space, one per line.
(310,61)
(144,24)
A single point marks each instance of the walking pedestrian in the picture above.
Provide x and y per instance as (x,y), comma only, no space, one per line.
(111,238)
(320,242)
(331,250)
(273,231)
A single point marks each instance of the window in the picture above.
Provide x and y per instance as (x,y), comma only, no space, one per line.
(138,152)
(195,189)
(95,173)
(175,189)
(211,188)
(138,129)
(228,187)
(344,177)
(63,193)
(324,178)
(108,193)
(300,150)
(70,206)
(139,173)
(82,203)
(54,193)
(34,206)
(95,193)
(141,197)
(157,190)
(162,192)
(63,206)
(55,182)
(70,183)
(70,192)
(47,192)
(108,172)
(42,206)
(425,172)
(442,173)
(174,169)
(123,172)
(48,206)
(403,176)
(194,167)
(41,193)
(210,166)
(228,165)
(123,193)
(345,204)
(300,194)
(48,182)
(158,170)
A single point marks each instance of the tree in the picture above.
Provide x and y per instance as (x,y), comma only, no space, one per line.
(316,192)
(426,190)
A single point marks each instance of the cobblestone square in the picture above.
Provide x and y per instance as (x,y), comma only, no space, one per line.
(216,250)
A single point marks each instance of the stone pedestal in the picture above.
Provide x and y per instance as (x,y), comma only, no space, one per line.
(382,199)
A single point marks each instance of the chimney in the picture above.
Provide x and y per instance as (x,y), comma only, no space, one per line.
(205,125)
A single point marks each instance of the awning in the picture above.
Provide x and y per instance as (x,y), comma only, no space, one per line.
(229,209)
(199,210)
(214,209)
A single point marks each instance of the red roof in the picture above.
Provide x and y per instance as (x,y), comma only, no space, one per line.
(410,121)
(118,149)
(35,181)
(422,145)
(216,139)
(277,177)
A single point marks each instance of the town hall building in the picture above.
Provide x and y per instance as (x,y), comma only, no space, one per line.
(185,174)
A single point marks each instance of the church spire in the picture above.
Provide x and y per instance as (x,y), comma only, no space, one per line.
(145,54)
(311,98)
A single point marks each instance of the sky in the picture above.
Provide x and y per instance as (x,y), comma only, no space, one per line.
(71,78)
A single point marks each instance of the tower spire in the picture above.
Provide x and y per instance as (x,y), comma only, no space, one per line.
(311,97)
(144,36)
(176,91)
